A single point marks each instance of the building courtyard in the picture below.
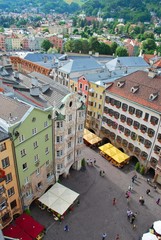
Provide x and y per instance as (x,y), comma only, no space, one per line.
(96,213)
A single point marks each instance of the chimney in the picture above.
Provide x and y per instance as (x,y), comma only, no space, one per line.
(152,73)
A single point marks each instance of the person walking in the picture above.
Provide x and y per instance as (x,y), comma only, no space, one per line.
(117,237)
(114,201)
(148,191)
(66,228)
(104,235)
(158,201)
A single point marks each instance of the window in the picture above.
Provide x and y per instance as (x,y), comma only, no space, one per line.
(80,127)
(80,140)
(80,85)
(107,99)
(141,139)
(35,144)
(37,171)
(47,163)
(100,96)
(133,136)
(8,178)
(106,110)
(24,166)
(46,150)
(36,158)
(123,118)
(116,115)
(5,162)
(129,121)
(99,106)
(157,149)
(86,88)
(68,157)
(131,110)
(23,152)
(127,132)
(13,204)
(154,120)
(146,117)
(45,124)
(136,125)
(59,153)
(69,144)
(28,193)
(59,166)
(118,104)
(34,131)
(70,117)
(151,132)
(114,125)
(143,128)
(59,139)
(21,138)
(124,107)
(138,113)
(159,137)
(147,144)
(111,112)
(11,191)
(3,204)
(96,95)
(46,137)
(69,131)
(2,147)
(26,180)
(112,101)
(121,128)
(59,124)
(1,190)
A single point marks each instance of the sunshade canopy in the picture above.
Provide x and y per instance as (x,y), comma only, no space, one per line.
(157,226)
(61,198)
(91,137)
(114,153)
(149,236)
(29,225)
(14,231)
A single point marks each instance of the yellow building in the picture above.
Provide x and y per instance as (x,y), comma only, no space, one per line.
(95,107)
(16,43)
(10,202)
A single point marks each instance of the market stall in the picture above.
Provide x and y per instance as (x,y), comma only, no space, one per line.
(91,139)
(58,198)
(114,155)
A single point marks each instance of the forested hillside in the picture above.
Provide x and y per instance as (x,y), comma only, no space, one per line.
(130,10)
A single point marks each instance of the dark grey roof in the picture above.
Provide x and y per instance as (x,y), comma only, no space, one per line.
(3,135)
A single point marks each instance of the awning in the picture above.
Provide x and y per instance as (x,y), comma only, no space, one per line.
(149,236)
(29,225)
(114,153)
(90,137)
(61,198)
(157,226)
(14,231)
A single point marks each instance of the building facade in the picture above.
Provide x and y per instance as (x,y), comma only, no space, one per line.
(10,202)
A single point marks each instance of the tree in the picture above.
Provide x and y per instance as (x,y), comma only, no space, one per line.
(148,35)
(121,51)
(85,46)
(113,46)
(157,30)
(94,44)
(46,44)
(69,46)
(77,46)
(149,46)
(104,49)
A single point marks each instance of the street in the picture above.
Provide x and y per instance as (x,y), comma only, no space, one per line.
(96,213)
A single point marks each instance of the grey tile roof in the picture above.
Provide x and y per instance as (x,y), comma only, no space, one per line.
(126,62)
(80,65)
(12,110)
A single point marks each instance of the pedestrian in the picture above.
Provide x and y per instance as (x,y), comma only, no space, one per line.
(117,237)
(141,200)
(158,201)
(114,201)
(91,162)
(133,179)
(104,235)
(148,191)
(94,161)
(66,228)
(132,218)
(129,213)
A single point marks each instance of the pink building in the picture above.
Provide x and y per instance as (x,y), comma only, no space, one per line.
(83,87)
(57,41)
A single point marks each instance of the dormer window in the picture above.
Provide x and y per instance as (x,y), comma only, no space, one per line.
(120,84)
(153,96)
(134,89)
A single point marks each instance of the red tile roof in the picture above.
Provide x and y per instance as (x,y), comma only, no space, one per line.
(157,64)
(146,85)
(147,57)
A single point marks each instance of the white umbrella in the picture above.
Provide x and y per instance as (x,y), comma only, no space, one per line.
(157,226)
(149,236)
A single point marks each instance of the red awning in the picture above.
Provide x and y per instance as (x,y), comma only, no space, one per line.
(29,225)
(15,231)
